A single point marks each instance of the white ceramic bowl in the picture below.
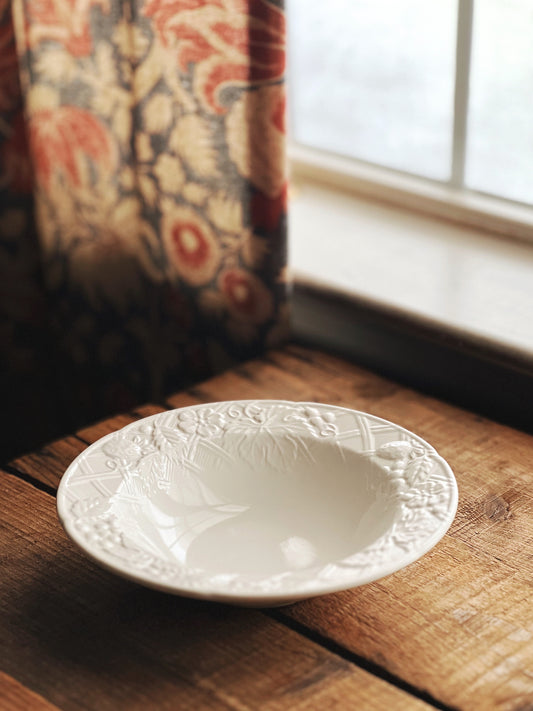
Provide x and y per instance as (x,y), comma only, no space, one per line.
(257,502)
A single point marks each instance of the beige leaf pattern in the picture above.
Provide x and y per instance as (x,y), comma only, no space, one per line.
(56,64)
(149,72)
(42,96)
(169,173)
(195,193)
(192,140)
(127,178)
(105,63)
(225,212)
(158,113)
(121,120)
(256,138)
(157,66)
(131,41)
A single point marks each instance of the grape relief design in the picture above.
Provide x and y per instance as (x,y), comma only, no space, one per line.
(416,485)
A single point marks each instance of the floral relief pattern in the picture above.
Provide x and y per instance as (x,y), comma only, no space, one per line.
(153,147)
(405,474)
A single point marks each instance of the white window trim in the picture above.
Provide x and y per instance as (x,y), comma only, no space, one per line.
(463,52)
(459,205)
(350,233)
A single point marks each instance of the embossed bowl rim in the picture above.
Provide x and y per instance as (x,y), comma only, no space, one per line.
(367,566)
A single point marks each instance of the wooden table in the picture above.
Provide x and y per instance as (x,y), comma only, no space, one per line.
(454,630)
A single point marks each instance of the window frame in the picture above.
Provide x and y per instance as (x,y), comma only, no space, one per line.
(461,206)
(448,199)
(487,375)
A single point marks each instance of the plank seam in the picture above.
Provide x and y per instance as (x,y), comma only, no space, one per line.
(359,661)
(194,391)
(36,483)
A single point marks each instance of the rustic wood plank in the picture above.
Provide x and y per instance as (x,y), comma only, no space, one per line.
(495,503)
(148,410)
(47,465)
(16,697)
(492,462)
(484,658)
(83,638)
(292,374)
(104,427)
(453,624)
(261,378)
(493,467)
(406,624)
(339,379)
(101,429)
(97,430)
(275,377)
(477,646)
(184,398)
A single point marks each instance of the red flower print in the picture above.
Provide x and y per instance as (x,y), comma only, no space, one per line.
(9,76)
(230,42)
(191,245)
(246,296)
(64,21)
(63,139)
(14,158)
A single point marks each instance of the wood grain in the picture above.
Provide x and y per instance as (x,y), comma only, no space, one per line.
(14,696)
(83,638)
(256,379)
(100,429)
(48,464)
(453,624)
(457,624)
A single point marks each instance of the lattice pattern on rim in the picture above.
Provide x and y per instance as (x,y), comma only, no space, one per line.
(133,464)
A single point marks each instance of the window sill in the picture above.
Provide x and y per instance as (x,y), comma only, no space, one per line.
(443,308)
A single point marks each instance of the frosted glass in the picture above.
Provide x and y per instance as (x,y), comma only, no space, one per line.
(374,80)
(500,127)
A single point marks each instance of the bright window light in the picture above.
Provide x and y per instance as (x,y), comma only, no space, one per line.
(440,89)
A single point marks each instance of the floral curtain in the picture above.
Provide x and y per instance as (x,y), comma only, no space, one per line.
(142,197)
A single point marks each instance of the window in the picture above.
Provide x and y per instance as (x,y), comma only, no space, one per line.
(440,90)
(425,106)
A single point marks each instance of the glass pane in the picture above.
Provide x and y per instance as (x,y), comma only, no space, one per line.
(374,79)
(499,156)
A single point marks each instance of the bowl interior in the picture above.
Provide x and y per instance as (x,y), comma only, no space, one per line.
(258,505)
